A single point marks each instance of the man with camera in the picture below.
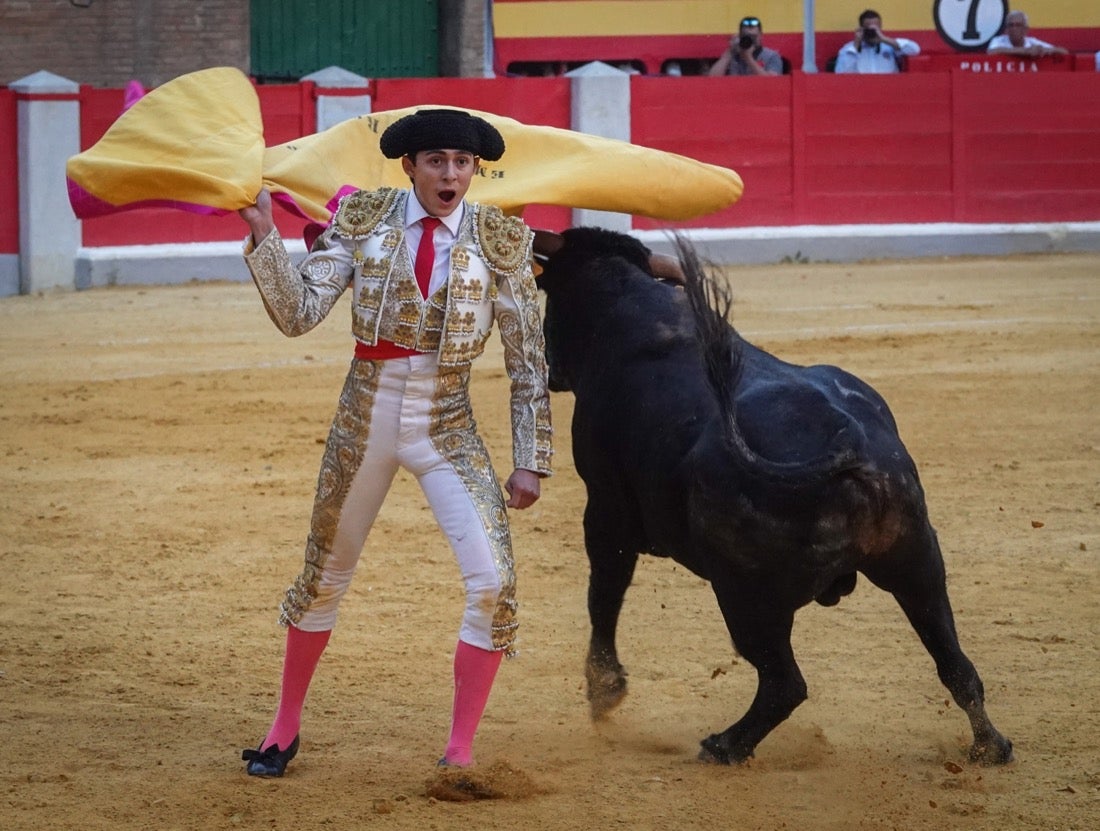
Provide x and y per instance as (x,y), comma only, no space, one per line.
(745,54)
(873,52)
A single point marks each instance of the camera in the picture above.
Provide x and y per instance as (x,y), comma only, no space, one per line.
(869,35)
(745,42)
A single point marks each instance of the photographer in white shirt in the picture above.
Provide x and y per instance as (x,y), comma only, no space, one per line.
(873,52)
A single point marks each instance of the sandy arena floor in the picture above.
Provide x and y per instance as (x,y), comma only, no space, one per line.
(160,449)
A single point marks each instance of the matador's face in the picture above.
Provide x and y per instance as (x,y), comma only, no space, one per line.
(440,178)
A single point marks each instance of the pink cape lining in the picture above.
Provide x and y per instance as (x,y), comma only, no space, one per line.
(87,206)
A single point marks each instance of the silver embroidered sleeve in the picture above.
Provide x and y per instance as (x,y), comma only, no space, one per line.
(517,316)
(298,299)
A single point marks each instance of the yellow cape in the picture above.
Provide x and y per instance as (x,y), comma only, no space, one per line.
(197,143)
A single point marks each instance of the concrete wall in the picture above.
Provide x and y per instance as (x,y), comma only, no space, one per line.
(463,48)
(48,116)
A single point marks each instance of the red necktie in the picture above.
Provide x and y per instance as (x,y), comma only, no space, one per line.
(425,253)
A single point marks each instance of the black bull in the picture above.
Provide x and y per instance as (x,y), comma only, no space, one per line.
(776,483)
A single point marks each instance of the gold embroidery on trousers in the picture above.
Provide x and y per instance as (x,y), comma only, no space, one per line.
(344,451)
(453,434)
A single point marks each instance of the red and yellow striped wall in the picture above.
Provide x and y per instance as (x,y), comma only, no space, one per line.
(652,32)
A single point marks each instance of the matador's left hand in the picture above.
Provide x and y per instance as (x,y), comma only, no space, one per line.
(523,488)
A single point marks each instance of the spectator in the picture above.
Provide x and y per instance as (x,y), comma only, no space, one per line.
(1016,41)
(746,55)
(873,52)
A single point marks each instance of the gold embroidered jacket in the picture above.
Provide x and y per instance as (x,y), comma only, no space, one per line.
(490,280)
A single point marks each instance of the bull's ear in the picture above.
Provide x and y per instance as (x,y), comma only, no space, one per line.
(546,244)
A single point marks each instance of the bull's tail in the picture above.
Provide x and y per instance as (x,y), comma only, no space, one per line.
(723,351)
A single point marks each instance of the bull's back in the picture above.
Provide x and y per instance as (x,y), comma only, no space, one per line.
(792,414)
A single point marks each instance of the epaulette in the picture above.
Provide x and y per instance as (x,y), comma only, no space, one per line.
(504,240)
(360,212)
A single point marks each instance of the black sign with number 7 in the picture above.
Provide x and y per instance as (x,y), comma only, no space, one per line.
(969,25)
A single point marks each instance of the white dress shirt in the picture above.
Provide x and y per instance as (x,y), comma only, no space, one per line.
(444,239)
(874,60)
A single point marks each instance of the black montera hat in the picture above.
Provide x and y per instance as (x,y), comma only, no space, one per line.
(442,130)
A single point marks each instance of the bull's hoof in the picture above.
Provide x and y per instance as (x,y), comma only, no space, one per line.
(605,694)
(996,751)
(717,752)
(606,687)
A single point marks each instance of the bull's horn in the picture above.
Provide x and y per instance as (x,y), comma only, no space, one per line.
(665,267)
(546,243)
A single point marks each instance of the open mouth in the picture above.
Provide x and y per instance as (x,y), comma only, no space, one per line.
(446,196)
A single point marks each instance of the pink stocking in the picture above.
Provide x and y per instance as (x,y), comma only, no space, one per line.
(475,670)
(303,651)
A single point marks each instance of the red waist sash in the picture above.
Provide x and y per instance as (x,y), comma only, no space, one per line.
(382,351)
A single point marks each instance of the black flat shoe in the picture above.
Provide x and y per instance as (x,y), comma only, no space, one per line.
(271,762)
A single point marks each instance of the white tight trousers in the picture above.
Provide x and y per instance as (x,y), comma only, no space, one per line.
(407,412)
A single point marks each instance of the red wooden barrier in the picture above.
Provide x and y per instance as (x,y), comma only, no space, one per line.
(1026,148)
(810,148)
(872,148)
(742,123)
(9,174)
(1086,61)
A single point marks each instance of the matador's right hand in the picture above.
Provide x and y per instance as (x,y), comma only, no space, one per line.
(260,217)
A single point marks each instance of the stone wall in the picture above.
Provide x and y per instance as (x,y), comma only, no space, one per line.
(106,43)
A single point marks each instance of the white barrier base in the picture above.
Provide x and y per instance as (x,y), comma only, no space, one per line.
(127,265)
(9,274)
(853,243)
